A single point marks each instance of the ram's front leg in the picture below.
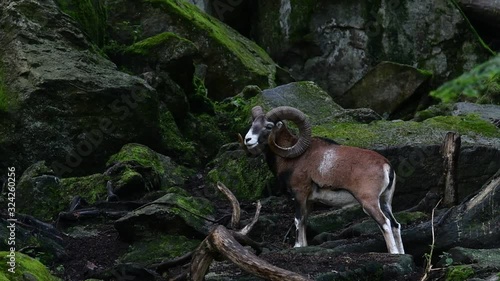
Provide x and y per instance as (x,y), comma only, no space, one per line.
(301,213)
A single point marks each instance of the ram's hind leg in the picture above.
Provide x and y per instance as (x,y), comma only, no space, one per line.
(385,204)
(372,208)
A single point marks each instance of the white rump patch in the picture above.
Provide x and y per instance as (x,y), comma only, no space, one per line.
(327,162)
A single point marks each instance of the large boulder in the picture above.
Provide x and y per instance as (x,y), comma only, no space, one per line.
(335,43)
(232,60)
(136,169)
(70,106)
(43,195)
(385,88)
(176,213)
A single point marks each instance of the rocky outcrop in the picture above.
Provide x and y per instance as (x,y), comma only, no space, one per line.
(385,88)
(136,170)
(231,60)
(174,214)
(70,106)
(336,43)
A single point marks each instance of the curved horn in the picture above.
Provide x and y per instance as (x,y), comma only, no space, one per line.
(257,111)
(300,119)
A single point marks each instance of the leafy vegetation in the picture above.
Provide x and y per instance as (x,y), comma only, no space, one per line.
(480,85)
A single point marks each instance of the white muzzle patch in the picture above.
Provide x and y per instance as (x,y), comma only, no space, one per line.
(251,139)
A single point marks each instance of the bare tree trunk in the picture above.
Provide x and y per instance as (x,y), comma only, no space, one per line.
(451,152)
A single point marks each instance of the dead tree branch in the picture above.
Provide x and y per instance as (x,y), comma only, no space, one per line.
(223,242)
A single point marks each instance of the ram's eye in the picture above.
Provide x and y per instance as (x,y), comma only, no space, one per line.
(269,126)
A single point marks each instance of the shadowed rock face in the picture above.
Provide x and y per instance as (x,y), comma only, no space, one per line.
(335,43)
(67,104)
(232,60)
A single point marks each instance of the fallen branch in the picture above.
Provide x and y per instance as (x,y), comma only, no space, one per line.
(226,243)
(220,241)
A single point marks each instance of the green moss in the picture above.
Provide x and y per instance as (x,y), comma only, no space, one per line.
(459,273)
(27,268)
(240,46)
(465,124)
(129,177)
(158,249)
(90,14)
(47,197)
(245,177)
(198,206)
(147,45)
(385,133)
(205,131)
(481,85)
(193,210)
(91,188)
(140,154)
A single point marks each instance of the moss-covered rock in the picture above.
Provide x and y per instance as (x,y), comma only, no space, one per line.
(26,268)
(174,142)
(91,188)
(459,273)
(76,107)
(90,14)
(233,61)
(482,259)
(204,129)
(172,214)
(481,85)
(246,177)
(399,133)
(43,246)
(135,161)
(44,195)
(159,248)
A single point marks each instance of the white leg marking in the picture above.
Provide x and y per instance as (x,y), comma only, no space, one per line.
(389,238)
(300,240)
(396,231)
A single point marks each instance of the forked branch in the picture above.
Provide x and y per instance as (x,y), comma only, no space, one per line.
(221,241)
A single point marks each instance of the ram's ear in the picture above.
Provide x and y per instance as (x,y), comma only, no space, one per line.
(279,125)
